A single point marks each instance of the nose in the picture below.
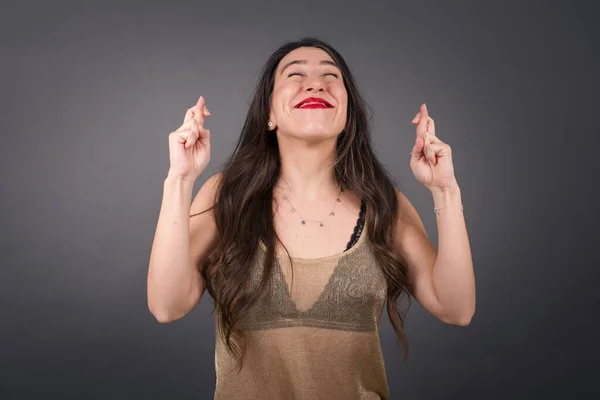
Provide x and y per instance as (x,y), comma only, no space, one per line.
(315,85)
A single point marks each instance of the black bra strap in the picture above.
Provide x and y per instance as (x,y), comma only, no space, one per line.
(360,223)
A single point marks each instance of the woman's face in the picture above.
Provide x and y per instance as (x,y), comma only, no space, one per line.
(303,73)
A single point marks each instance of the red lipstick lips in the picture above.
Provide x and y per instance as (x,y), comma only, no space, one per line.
(314,102)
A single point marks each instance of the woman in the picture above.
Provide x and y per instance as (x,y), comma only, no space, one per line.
(302,238)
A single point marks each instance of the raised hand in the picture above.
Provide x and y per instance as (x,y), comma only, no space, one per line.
(189,146)
(430,158)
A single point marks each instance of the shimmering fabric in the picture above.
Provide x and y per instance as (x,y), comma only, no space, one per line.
(317,338)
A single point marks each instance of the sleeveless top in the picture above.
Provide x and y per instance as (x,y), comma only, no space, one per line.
(316,337)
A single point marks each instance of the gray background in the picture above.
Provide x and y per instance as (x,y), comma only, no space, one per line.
(91,92)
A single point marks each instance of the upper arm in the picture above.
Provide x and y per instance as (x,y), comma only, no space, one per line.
(420,255)
(203,230)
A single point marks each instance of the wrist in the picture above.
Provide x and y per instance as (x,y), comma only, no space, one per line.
(173,177)
(448,196)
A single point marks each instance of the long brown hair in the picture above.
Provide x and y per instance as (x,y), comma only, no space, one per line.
(243,208)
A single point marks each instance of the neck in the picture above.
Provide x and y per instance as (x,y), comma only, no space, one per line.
(306,173)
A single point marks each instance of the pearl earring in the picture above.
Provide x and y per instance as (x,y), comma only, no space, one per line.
(270,124)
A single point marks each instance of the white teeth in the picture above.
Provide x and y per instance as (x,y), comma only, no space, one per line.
(308,104)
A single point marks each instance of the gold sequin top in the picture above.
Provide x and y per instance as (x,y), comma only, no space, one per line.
(315,339)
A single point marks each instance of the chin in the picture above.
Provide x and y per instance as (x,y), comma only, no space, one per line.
(316,134)
(317,130)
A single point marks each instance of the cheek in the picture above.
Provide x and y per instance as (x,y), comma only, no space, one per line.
(340,93)
(343,104)
(281,99)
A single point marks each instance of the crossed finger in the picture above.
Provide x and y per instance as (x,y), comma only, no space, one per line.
(198,112)
(425,122)
(425,128)
(431,126)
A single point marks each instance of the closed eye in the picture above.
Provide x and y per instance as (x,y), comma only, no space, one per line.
(300,74)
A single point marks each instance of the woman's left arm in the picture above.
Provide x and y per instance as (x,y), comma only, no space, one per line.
(441,280)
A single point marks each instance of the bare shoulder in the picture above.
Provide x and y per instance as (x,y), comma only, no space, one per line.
(408,215)
(203,230)
(205,198)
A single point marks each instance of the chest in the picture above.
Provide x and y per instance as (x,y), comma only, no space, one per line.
(321,234)
(341,292)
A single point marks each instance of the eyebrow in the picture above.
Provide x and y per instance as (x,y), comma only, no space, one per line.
(304,62)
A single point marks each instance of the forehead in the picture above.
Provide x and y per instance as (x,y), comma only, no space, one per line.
(312,55)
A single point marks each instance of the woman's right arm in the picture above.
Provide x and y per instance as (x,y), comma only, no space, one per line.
(181,244)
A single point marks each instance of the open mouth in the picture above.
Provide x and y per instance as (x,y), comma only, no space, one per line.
(314,102)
